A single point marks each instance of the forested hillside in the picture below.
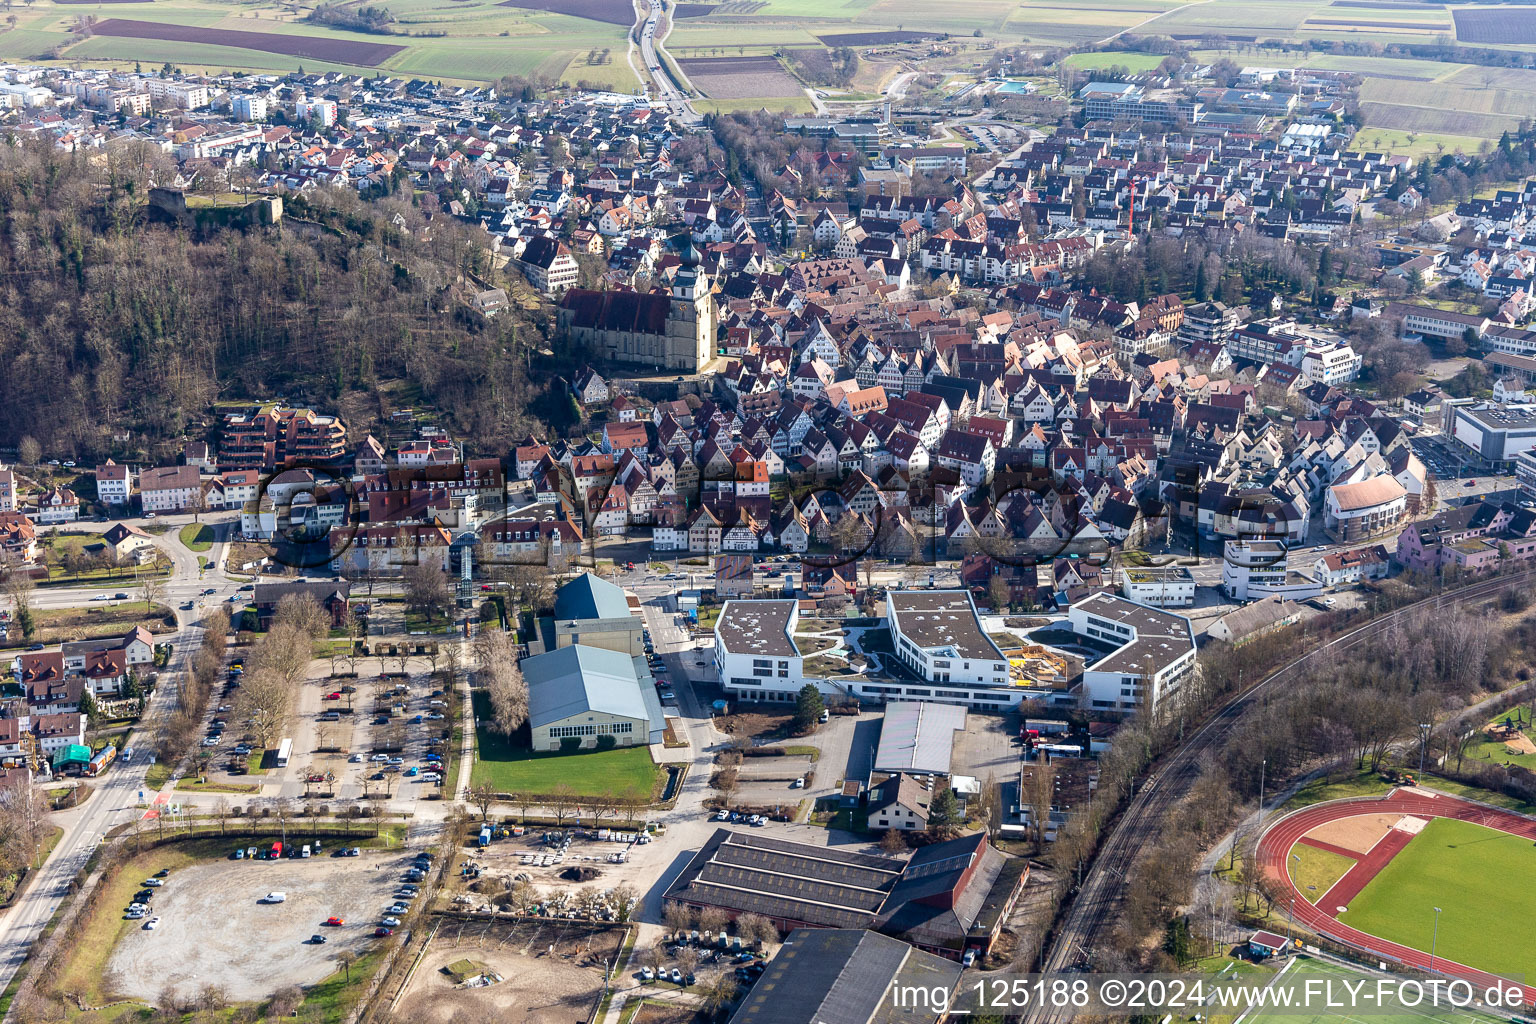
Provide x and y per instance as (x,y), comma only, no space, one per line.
(115,323)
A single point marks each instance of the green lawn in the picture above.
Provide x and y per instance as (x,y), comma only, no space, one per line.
(1306,969)
(1112,58)
(622,772)
(196,536)
(1474,875)
(1365,783)
(1316,870)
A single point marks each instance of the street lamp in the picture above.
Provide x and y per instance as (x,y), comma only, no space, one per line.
(1434,935)
(1263,766)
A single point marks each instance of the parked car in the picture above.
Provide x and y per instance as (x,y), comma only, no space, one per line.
(317,939)
(390,922)
(383,933)
(334,922)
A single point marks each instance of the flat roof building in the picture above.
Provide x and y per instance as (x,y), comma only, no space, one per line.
(1151,652)
(1495,433)
(918,737)
(938,634)
(755,650)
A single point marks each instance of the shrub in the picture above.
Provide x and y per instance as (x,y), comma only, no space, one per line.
(606,742)
(570,744)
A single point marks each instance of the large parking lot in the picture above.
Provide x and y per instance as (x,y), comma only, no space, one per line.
(214,929)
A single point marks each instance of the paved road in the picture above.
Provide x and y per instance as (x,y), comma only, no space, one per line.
(116,796)
(650,44)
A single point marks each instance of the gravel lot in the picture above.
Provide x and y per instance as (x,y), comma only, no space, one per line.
(213,930)
(539,986)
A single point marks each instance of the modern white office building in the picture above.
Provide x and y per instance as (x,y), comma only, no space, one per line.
(1149,652)
(755,650)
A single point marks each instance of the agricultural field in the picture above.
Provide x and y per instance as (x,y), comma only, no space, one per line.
(614,12)
(734,78)
(1502,25)
(364,52)
(453,40)
(1478,102)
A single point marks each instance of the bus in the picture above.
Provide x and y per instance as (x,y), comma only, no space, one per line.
(284,751)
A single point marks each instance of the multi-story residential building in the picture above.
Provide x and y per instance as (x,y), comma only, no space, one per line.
(18,537)
(249,108)
(1525,474)
(1252,568)
(114,484)
(1332,364)
(387,550)
(170,489)
(322,112)
(176,93)
(273,435)
(1153,652)
(548,265)
(1168,586)
(7,490)
(1210,323)
(1366,509)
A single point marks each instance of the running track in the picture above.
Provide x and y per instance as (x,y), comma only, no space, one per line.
(1275,845)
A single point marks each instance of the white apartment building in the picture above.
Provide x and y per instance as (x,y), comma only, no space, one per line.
(169,488)
(1335,364)
(114,484)
(1169,586)
(1255,568)
(1152,652)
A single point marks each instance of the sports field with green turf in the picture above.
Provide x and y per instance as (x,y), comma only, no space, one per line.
(1306,968)
(1481,881)
(1313,871)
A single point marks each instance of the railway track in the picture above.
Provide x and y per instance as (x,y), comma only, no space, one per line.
(1094,909)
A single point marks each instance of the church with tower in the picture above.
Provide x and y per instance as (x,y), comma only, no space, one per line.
(672,330)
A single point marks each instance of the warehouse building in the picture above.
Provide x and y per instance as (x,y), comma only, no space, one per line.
(594,696)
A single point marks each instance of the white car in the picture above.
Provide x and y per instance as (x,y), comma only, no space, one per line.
(153,883)
(275,897)
(152,924)
(379,758)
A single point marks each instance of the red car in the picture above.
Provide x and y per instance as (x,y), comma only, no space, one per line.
(334,922)
(383,933)
(333,696)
